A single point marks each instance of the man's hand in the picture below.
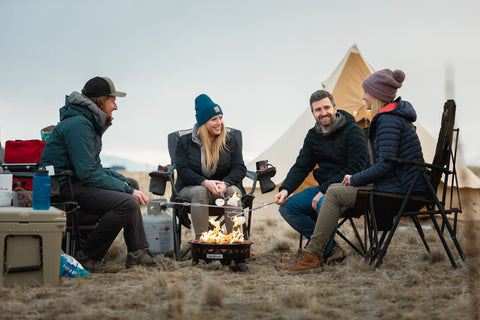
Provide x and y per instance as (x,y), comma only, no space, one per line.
(346,180)
(142,199)
(281,197)
(315,200)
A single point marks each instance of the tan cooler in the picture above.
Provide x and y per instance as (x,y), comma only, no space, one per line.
(30,245)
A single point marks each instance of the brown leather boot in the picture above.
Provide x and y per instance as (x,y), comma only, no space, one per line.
(305,261)
(337,255)
(290,256)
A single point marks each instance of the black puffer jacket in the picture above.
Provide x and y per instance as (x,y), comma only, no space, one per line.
(188,161)
(392,134)
(343,150)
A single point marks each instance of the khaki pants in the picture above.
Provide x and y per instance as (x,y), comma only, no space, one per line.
(336,197)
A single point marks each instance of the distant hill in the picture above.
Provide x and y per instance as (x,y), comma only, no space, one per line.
(119,163)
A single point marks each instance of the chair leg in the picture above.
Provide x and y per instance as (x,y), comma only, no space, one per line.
(442,239)
(382,251)
(177,237)
(420,231)
(357,235)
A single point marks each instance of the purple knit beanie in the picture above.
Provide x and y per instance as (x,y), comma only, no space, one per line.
(383,84)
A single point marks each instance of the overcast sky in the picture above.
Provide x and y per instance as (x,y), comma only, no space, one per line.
(260,60)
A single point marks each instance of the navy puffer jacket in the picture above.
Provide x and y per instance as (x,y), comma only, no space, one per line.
(343,150)
(188,161)
(392,134)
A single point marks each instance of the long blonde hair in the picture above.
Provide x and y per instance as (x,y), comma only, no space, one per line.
(211,149)
(377,105)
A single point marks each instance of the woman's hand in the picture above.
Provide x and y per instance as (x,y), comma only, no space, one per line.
(221,187)
(142,199)
(346,180)
(212,186)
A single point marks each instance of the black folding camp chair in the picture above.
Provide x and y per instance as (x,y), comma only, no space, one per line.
(164,174)
(384,210)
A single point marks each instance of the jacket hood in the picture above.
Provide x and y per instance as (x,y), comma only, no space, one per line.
(78,104)
(401,108)
(343,118)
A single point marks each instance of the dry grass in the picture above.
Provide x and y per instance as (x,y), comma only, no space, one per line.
(411,284)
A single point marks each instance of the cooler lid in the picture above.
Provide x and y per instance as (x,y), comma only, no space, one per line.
(27,214)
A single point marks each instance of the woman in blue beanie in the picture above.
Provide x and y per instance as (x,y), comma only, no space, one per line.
(392,134)
(209,163)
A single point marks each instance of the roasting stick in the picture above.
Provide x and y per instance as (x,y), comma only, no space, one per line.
(242,212)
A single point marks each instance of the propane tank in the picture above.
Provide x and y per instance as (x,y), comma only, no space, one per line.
(158,226)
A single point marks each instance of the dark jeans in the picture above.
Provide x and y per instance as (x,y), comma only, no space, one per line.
(301,216)
(117,210)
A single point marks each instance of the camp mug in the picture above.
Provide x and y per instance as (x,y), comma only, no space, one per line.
(262,164)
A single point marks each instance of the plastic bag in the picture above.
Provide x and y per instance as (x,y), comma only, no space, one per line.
(71,268)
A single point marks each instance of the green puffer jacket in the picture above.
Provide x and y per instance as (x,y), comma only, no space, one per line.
(76,142)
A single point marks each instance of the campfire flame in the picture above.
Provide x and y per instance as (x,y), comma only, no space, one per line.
(217,236)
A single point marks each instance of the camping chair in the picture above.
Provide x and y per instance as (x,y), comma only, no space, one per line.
(80,224)
(384,210)
(158,180)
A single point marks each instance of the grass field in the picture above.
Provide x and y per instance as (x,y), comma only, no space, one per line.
(411,284)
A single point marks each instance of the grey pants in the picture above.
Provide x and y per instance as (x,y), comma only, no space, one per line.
(336,197)
(200,215)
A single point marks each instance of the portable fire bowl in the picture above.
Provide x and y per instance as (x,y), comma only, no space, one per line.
(225,252)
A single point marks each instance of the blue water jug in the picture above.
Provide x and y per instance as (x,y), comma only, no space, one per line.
(41,190)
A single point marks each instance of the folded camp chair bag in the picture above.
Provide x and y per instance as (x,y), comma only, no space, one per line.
(23,151)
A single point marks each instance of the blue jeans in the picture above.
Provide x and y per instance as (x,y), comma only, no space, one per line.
(301,216)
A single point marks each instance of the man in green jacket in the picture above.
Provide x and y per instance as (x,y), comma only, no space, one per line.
(75,144)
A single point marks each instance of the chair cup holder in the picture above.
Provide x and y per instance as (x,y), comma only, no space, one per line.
(158,182)
(264,176)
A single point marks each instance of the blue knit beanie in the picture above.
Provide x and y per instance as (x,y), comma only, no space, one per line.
(205,109)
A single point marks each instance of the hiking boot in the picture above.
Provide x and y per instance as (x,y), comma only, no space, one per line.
(95,266)
(306,261)
(337,255)
(290,256)
(142,257)
(99,267)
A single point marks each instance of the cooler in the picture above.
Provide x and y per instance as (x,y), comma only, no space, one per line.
(30,245)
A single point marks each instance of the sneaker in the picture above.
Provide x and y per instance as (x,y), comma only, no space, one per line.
(306,261)
(337,255)
(99,267)
(289,256)
(142,257)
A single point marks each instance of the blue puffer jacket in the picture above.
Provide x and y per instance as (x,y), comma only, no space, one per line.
(392,134)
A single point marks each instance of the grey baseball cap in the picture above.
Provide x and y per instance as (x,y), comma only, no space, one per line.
(101,86)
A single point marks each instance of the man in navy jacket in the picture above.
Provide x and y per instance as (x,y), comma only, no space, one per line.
(334,147)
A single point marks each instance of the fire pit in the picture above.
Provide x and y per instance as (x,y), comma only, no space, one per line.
(225,252)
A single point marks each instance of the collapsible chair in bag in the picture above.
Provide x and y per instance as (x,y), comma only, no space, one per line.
(384,210)
(166,174)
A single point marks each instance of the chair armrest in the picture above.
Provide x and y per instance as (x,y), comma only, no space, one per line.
(416,163)
(264,177)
